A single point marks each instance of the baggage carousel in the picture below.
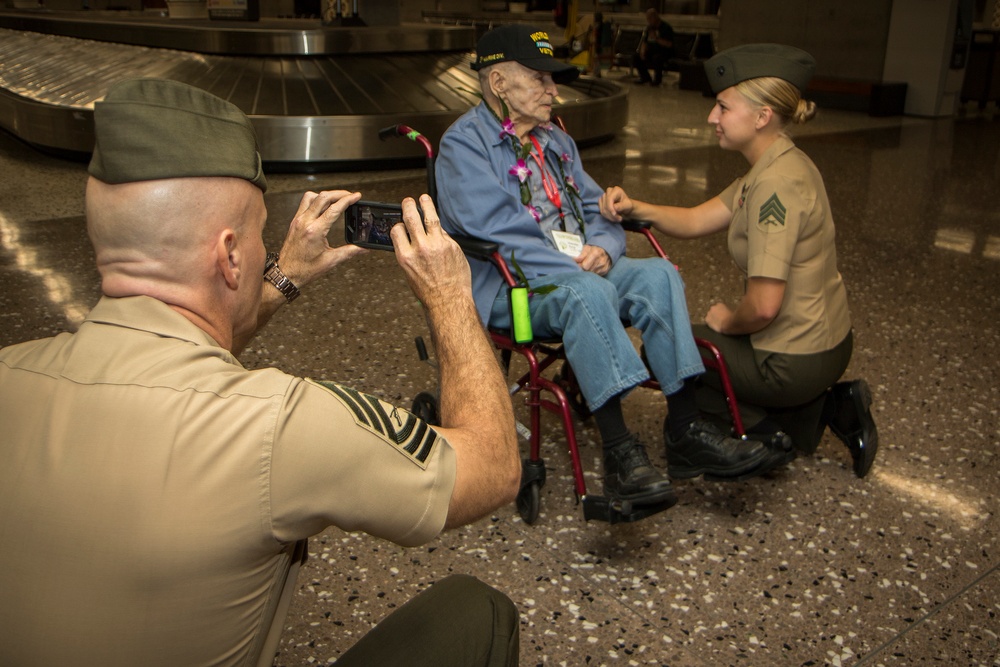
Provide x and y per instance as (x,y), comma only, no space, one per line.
(317,95)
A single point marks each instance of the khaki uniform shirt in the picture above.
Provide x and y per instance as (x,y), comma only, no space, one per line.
(782,228)
(152,489)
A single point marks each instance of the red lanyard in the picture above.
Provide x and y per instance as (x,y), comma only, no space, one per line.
(548,183)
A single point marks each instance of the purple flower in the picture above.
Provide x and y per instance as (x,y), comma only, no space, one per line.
(535,213)
(520,170)
(507,129)
(565,157)
(571,184)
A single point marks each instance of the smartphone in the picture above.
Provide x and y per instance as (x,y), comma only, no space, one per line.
(367,224)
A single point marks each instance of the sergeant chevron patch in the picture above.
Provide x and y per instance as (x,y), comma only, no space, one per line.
(772,213)
(410,435)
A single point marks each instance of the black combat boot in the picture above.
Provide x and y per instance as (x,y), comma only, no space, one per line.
(705,450)
(849,417)
(628,475)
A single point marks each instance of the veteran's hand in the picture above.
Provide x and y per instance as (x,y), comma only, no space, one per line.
(594,259)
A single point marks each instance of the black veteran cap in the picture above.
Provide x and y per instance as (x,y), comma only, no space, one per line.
(749,61)
(148,129)
(525,45)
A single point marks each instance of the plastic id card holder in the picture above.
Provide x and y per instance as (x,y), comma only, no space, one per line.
(520,318)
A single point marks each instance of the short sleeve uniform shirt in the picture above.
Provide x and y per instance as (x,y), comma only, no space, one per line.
(782,228)
(152,488)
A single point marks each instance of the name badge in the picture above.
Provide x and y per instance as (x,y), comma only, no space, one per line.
(567,243)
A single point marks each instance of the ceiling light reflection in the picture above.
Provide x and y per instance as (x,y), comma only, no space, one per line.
(992,248)
(58,288)
(958,240)
(965,512)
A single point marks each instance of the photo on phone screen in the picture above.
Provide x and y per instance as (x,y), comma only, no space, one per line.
(367,224)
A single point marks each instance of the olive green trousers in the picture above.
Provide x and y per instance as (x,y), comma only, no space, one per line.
(457,622)
(786,389)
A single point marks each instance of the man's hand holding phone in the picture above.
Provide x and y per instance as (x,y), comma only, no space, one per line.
(306,254)
(434,265)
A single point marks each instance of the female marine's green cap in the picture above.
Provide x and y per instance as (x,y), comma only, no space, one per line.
(147,129)
(750,61)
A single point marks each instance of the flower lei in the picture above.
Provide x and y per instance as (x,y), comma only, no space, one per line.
(522,171)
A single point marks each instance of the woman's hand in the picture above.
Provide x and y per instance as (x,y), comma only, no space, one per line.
(615,204)
(756,310)
(718,317)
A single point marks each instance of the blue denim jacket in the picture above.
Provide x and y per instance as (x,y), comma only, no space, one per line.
(478,197)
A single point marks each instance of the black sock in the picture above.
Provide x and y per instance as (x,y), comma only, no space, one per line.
(611,422)
(682,410)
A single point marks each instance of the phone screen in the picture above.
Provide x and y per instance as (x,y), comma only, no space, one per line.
(367,224)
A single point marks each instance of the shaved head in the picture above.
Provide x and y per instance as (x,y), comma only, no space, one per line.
(193,243)
(163,230)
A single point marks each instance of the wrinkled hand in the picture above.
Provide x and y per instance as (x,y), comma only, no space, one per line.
(306,253)
(615,204)
(718,317)
(434,265)
(594,259)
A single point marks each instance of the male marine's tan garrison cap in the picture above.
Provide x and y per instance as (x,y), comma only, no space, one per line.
(749,61)
(148,129)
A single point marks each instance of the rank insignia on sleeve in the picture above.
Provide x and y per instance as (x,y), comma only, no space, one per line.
(410,435)
(772,213)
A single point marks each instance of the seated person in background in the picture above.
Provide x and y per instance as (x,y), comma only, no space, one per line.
(506,175)
(656,48)
(788,340)
(155,496)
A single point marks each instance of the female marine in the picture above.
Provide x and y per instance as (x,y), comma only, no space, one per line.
(788,339)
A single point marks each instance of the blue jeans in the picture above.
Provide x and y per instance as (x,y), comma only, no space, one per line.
(586,312)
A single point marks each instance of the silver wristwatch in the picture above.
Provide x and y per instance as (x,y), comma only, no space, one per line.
(273,275)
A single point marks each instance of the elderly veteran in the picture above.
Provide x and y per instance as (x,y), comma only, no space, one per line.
(506,175)
(155,496)
(788,340)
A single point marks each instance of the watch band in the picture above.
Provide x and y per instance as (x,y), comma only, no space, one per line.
(273,275)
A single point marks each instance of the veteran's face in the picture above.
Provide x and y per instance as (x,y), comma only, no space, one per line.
(529,95)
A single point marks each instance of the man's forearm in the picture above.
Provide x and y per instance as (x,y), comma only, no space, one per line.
(270,301)
(475,404)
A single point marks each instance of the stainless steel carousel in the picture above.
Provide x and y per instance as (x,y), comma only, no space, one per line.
(317,95)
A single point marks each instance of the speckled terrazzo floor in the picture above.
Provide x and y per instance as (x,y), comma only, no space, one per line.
(808,566)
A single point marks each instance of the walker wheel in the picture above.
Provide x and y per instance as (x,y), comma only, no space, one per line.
(529,501)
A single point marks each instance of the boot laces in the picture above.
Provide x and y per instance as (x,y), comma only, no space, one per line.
(634,457)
